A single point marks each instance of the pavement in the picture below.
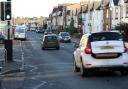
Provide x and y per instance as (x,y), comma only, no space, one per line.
(11,66)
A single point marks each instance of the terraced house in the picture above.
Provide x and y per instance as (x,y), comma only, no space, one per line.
(92,15)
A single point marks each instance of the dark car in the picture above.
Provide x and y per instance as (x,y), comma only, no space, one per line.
(50,41)
(2,38)
(40,30)
(64,37)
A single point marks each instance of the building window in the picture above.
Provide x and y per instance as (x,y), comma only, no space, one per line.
(116,12)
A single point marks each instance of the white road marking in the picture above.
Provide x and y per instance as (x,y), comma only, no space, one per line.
(33,67)
(55,64)
(38,86)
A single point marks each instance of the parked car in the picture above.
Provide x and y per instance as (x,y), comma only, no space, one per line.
(64,37)
(50,41)
(2,38)
(32,28)
(20,33)
(102,50)
(40,30)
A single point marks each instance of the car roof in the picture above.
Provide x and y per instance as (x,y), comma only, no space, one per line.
(88,34)
(64,32)
(107,32)
(103,32)
(50,35)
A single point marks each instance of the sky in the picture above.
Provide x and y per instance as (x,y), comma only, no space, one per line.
(35,8)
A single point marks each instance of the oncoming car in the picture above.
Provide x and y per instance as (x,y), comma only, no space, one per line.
(50,41)
(102,50)
(64,37)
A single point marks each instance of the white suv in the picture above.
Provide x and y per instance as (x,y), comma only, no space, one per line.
(102,50)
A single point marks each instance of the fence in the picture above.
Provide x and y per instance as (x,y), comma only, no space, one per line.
(3,56)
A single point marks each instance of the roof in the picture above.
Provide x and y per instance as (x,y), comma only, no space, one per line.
(55,9)
(97,5)
(73,7)
(90,6)
(105,3)
(85,9)
(126,1)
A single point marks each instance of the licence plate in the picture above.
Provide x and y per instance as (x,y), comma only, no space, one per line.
(107,55)
(107,47)
(65,39)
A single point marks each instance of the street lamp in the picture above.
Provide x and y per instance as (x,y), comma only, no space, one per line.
(81,17)
(111,5)
(121,4)
(64,17)
(110,18)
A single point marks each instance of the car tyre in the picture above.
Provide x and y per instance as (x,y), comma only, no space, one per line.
(25,39)
(69,41)
(124,72)
(76,69)
(43,48)
(84,71)
(58,48)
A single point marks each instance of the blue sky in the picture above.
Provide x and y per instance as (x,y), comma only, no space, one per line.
(30,8)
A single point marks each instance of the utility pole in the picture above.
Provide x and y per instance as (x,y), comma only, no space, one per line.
(110,18)
(111,5)
(121,4)
(65,10)
(56,24)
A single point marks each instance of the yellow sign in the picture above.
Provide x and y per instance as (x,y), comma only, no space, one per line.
(107,47)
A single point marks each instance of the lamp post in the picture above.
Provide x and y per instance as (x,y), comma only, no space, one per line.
(56,24)
(110,18)
(111,5)
(65,18)
(121,4)
(81,23)
(120,19)
(81,20)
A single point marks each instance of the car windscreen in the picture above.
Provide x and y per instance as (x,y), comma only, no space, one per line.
(65,34)
(20,30)
(51,38)
(105,36)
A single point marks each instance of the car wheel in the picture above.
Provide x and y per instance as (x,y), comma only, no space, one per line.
(124,72)
(84,71)
(76,69)
(43,48)
(58,48)
(25,39)
(69,41)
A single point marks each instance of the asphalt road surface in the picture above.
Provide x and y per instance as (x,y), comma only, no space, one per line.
(53,69)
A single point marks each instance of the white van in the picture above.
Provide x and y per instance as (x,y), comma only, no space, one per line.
(20,33)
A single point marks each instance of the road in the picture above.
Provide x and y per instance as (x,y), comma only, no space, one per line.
(53,69)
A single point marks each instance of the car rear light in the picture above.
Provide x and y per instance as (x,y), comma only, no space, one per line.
(125,62)
(125,50)
(88,64)
(88,49)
